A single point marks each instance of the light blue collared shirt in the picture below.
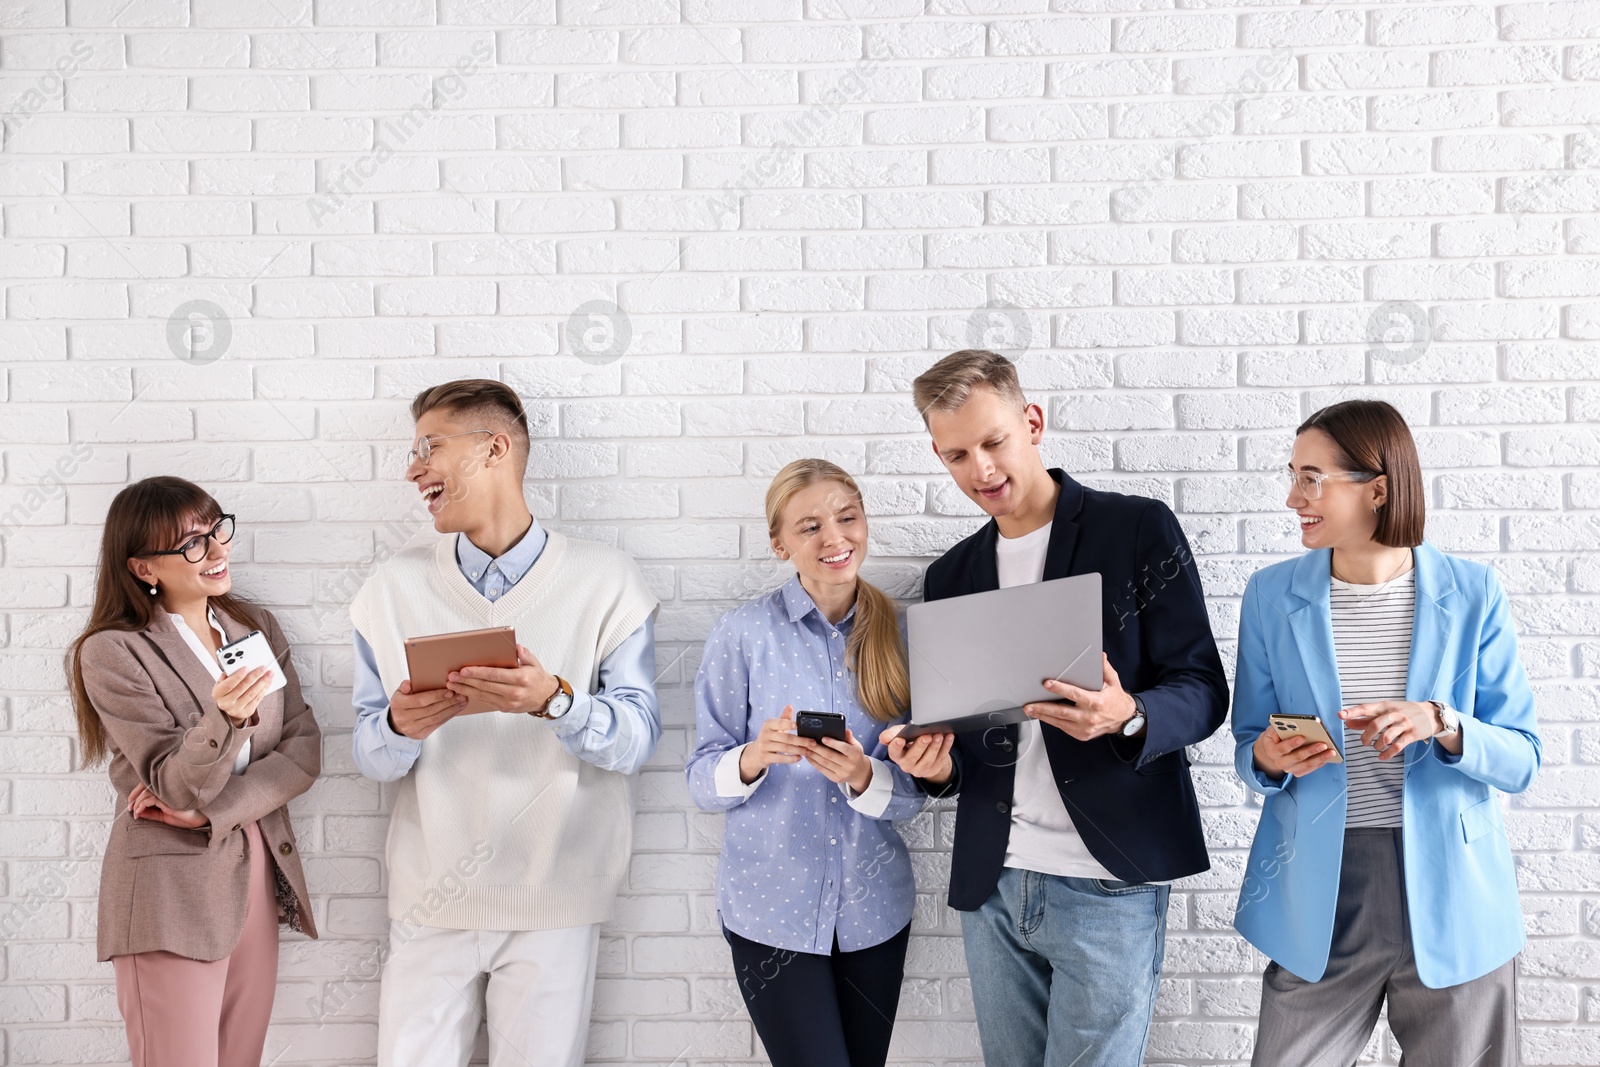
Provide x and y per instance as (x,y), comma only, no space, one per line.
(802,859)
(615,729)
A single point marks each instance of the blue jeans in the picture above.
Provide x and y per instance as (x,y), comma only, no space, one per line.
(1064,970)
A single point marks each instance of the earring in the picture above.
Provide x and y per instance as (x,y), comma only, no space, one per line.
(152,590)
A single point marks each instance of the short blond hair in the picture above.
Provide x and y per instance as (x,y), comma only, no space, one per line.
(948,384)
(484,398)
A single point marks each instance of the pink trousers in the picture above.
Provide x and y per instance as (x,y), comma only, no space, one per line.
(191,1013)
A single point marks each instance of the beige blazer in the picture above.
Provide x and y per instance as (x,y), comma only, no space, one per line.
(185,891)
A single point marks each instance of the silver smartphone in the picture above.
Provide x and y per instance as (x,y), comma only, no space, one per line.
(252,650)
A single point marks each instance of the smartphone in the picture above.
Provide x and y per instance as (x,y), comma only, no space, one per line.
(431,659)
(819,724)
(249,651)
(1308,726)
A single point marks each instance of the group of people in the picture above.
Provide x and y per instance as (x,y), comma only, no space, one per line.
(1380,873)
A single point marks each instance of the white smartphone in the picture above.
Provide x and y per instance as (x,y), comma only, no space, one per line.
(252,650)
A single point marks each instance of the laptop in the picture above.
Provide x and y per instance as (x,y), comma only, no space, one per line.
(975,660)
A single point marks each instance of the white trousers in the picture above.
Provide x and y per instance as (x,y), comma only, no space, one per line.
(539,987)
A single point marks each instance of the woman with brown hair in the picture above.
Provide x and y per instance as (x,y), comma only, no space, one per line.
(814,887)
(201,865)
(1380,709)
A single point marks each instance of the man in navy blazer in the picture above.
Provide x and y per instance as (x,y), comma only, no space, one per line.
(1068,826)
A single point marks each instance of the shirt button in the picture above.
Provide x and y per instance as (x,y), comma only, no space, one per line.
(286,848)
(838,674)
(834,799)
(832,841)
(834,634)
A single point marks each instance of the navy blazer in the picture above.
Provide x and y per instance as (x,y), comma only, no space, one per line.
(1131,800)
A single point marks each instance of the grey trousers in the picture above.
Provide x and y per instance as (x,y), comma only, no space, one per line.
(1327,1023)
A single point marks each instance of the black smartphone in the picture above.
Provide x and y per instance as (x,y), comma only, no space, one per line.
(819,724)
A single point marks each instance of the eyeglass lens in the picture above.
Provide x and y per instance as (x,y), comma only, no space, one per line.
(195,549)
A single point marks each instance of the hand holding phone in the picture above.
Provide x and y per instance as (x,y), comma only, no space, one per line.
(1294,745)
(776,742)
(243,685)
(837,753)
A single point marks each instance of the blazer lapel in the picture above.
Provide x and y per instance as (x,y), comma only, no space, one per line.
(1431,627)
(1064,527)
(1311,621)
(985,573)
(163,633)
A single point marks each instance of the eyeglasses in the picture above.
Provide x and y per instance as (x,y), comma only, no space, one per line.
(1309,483)
(424,447)
(194,550)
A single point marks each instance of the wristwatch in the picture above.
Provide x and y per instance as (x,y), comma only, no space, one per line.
(1132,727)
(558,703)
(1449,718)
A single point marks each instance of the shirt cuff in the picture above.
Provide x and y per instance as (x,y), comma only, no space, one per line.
(571,722)
(728,781)
(874,800)
(394,739)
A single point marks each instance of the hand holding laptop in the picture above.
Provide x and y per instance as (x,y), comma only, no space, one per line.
(926,757)
(1090,713)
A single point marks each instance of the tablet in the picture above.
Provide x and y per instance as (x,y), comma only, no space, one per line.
(429,660)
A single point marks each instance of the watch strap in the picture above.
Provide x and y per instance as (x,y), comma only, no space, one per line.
(562,687)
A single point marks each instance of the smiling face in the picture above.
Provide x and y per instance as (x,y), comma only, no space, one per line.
(823,532)
(1343,516)
(182,582)
(991,449)
(454,482)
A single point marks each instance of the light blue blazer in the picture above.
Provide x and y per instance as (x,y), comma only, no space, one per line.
(1460,886)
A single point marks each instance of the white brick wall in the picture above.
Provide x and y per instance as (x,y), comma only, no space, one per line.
(1201,220)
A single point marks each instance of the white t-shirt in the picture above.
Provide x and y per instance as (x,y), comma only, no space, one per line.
(1043,838)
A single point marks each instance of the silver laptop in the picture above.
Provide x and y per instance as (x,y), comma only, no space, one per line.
(976,660)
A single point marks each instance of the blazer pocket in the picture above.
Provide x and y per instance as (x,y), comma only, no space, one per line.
(145,837)
(1166,763)
(1478,820)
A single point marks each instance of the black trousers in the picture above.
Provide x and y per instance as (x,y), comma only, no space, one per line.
(821,1011)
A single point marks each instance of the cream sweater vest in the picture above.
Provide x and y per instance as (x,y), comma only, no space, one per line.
(497,826)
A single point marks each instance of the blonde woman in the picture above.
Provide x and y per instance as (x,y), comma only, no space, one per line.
(814,888)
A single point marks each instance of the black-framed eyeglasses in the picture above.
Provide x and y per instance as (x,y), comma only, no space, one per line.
(424,447)
(194,550)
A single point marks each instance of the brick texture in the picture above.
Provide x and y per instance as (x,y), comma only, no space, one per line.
(703,237)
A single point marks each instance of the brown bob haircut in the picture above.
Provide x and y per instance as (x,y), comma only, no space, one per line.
(947,384)
(1371,436)
(496,403)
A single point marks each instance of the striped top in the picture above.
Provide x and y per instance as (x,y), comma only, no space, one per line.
(1372,641)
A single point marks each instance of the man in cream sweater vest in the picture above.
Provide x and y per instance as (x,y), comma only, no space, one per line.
(512,827)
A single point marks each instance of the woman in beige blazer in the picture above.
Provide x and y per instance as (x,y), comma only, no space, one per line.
(202,865)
